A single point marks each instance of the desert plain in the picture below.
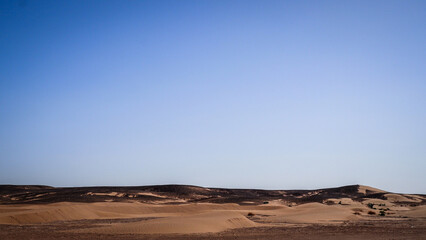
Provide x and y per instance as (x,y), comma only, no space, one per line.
(191,212)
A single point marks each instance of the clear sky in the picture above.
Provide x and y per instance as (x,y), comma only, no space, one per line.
(246,94)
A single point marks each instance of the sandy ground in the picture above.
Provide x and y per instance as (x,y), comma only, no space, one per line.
(403,217)
(369,229)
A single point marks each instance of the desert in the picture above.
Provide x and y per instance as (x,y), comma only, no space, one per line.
(212,119)
(191,212)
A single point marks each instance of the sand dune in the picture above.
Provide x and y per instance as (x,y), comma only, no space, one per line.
(204,210)
(187,218)
(215,221)
(366,190)
(27,214)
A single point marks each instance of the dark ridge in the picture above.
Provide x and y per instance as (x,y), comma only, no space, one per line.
(173,194)
(19,188)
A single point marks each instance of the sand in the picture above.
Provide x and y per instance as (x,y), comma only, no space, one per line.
(159,217)
(192,218)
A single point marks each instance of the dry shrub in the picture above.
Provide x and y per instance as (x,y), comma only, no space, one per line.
(357,211)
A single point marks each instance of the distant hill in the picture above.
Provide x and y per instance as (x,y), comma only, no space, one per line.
(178,194)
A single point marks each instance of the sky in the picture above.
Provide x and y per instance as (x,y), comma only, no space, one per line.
(238,94)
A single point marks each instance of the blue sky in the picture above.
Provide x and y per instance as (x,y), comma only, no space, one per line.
(246,94)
